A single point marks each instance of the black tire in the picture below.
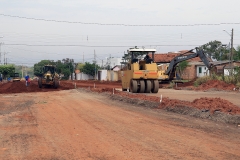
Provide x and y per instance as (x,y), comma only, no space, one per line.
(142,86)
(134,87)
(147,86)
(40,82)
(155,86)
(56,83)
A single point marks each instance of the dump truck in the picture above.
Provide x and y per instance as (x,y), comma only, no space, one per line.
(49,77)
(140,74)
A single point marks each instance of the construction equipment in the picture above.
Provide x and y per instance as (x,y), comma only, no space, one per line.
(169,72)
(49,77)
(16,77)
(140,75)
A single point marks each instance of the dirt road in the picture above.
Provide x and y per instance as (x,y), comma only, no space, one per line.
(70,124)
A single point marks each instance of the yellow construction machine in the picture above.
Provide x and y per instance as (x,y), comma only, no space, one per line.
(140,75)
(16,77)
(49,77)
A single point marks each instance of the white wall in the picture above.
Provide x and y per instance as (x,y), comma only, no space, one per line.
(103,75)
(83,76)
(227,72)
(204,71)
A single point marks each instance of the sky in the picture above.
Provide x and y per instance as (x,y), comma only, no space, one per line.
(33,30)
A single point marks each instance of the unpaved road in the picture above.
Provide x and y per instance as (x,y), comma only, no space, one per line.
(80,125)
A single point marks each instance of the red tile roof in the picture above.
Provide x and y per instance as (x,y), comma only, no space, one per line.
(167,57)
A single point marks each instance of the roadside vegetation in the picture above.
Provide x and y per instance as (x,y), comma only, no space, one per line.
(231,79)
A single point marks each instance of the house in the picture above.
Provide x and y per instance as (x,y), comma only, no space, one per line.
(117,67)
(225,67)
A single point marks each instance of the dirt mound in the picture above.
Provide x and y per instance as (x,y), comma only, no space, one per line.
(20,87)
(216,84)
(209,85)
(204,104)
(215,109)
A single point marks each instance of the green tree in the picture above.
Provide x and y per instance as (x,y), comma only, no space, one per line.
(237,54)
(25,70)
(216,50)
(89,68)
(65,67)
(7,70)
(80,66)
(38,66)
(182,66)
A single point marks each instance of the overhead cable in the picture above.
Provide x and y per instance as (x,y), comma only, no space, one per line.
(119,24)
(76,45)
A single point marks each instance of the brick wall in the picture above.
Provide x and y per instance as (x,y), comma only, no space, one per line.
(189,73)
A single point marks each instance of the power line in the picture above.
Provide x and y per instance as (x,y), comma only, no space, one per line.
(118,24)
(76,45)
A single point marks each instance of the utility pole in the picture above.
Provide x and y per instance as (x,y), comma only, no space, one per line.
(232,52)
(0,53)
(4,59)
(4,62)
(22,70)
(110,62)
(95,63)
(83,57)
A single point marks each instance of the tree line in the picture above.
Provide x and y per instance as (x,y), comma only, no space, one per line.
(66,66)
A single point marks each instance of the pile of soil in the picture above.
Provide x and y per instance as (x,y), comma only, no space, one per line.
(216,84)
(209,85)
(215,109)
(20,87)
(204,104)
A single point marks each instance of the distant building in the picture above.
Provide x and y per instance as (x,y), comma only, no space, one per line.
(109,63)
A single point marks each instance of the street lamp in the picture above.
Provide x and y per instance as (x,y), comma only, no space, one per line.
(231,57)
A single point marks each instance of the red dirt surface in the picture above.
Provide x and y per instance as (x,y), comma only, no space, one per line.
(203,103)
(81,125)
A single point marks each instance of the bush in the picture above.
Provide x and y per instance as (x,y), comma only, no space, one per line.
(238,85)
(201,80)
(234,79)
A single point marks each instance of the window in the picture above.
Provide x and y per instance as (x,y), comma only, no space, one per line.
(200,70)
